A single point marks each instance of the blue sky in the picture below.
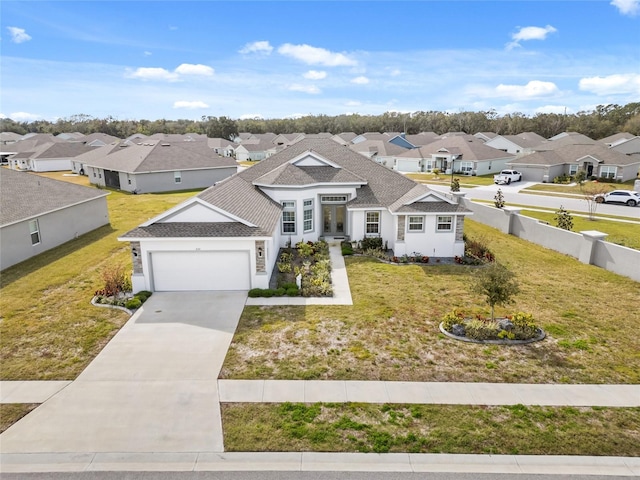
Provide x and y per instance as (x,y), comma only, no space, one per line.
(242,59)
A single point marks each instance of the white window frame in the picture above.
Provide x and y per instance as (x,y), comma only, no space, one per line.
(608,171)
(573,168)
(288,216)
(371,222)
(415,224)
(177,177)
(307,215)
(444,223)
(466,167)
(34,229)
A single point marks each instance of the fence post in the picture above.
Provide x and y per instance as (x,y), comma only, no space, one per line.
(511,212)
(590,238)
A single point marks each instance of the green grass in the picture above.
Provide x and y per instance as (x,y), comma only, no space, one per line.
(576,189)
(10,413)
(391,331)
(518,429)
(620,233)
(49,329)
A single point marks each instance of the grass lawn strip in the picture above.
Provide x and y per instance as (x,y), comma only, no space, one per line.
(10,413)
(391,331)
(457,429)
(49,329)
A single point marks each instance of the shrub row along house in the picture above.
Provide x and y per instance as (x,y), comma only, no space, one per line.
(228,237)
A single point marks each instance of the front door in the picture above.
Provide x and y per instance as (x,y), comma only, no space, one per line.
(334,220)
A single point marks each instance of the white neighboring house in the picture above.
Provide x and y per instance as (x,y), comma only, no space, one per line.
(44,153)
(228,237)
(38,213)
(520,144)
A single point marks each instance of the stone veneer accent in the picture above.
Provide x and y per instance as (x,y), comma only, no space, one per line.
(401,225)
(261,264)
(136,257)
(459,228)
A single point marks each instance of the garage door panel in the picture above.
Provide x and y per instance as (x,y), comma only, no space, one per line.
(188,271)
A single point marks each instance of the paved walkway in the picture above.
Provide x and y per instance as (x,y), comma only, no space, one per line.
(446,393)
(29,391)
(339,280)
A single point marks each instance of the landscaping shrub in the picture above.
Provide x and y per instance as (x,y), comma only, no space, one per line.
(481,330)
(371,243)
(133,303)
(143,295)
(115,280)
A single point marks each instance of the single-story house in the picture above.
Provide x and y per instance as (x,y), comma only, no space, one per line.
(629,146)
(616,138)
(255,151)
(520,144)
(597,160)
(222,146)
(55,156)
(380,151)
(156,166)
(228,237)
(466,154)
(38,213)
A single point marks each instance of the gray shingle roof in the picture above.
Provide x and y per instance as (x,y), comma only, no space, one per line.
(25,195)
(156,156)
(571,153)
(470,147)
(288,174)
(194,230)
(432,207)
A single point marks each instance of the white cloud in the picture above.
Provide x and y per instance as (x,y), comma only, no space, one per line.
(312,89)
(316,56)
(395,72)
(360,80)
(189,105)
(530,33)
(257,47)
(627,7)
(558,109)
(153,73)
(173,27)
(535,88)
(147,53)
(353,103)
(315,75)
(191,69)
(18,35)
(24,116)
(612,84)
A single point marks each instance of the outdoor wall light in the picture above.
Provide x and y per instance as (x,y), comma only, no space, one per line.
(260,252)
(134,251)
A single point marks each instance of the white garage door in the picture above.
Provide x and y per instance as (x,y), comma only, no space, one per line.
(182,271)
(408,165)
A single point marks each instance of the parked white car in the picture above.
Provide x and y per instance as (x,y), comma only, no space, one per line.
(505,177)
(628,197)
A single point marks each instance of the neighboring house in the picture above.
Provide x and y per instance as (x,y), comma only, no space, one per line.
(597,160)
(617,138)
(178,137)
(70,136)
(422,138)
(38,213)
(228,237)
(254,152)
(222,146)
(485,136)
(380,151)
(344,138)
(562,140)
(629,146)
(466,154)
(156,166)
(520,144)
(39,155)
(98,139)
(7,138)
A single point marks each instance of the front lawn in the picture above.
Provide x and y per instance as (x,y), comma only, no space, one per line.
(444,179)
(457,429)
(391,331)
(49,329)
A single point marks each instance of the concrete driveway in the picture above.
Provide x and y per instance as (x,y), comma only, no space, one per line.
(153,388)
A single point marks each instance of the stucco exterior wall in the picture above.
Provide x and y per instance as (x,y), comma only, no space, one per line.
(55,229)
(50,164)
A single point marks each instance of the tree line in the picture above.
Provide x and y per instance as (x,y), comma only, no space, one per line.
(605,120)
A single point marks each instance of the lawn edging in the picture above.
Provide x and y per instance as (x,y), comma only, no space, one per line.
(503,341)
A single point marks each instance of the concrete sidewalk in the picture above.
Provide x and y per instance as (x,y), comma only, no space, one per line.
(319,462)
(30,391)
(309,391)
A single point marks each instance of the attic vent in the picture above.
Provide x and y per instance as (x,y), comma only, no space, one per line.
(123,145)
(165,144)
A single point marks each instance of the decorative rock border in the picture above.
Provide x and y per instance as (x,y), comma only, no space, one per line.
(503,341)
(106,305)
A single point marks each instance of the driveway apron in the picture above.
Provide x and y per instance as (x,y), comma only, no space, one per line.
(153,388)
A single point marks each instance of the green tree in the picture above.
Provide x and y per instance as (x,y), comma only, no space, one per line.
(498,199)
(497,284)
(563,219)
(455,185)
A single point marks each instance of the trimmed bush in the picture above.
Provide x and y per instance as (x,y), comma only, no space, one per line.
(143,295)
(133,303)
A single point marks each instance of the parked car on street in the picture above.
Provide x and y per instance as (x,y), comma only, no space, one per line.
(628,197)
(505,177)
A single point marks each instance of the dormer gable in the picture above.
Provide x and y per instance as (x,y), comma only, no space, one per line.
(312,159)
(431,196)
(589,158)
(196,210)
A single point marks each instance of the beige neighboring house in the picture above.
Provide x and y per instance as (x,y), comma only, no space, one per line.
(379,149)
(466,154)
(39,213)
(630,146)
(597,160)
(154,165)
(222,146)
(248,151)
